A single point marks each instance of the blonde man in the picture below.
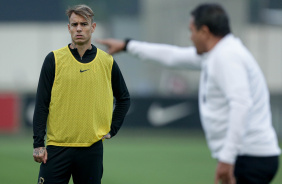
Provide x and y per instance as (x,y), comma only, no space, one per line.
(75,94)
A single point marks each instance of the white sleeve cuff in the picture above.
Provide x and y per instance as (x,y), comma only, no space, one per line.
(227,155)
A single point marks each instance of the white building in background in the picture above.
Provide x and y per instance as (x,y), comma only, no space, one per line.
(24,46)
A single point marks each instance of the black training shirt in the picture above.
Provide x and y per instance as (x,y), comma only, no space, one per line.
(43,96)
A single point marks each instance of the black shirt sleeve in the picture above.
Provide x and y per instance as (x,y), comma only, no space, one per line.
(43,98)
(122,98)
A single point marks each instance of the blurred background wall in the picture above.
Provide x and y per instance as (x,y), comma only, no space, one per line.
(29,30)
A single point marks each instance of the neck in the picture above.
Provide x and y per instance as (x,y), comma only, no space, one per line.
(81,49)
(212,42)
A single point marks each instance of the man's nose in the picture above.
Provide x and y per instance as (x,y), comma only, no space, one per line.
(79,28)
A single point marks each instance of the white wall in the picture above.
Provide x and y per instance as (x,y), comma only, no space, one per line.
(23,49)
(167,22)
(25,45)
(265,42)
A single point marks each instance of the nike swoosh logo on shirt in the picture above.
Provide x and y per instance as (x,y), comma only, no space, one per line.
(160,116)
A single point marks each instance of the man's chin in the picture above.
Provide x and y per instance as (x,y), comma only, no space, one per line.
(79,42)
(200,52)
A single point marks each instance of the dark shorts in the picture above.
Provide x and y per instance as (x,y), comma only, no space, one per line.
(255,170)
(84,164)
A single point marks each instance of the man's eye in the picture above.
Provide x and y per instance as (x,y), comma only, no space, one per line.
(74,24)
(84,24)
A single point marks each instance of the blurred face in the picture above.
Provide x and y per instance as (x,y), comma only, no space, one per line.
(80,29)
(198,37)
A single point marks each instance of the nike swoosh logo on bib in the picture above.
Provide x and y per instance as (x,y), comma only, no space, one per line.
(83,70)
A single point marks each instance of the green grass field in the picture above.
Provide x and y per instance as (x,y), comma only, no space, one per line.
(132,157)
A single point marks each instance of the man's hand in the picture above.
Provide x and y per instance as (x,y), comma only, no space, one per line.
(224,174)
(40,155)
(114,45)
(108,136)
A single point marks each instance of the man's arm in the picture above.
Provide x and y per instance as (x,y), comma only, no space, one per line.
(41,111)
(233,80)
(168,55)
(122,98)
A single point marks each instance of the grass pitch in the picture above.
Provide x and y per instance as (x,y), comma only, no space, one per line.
(133,156)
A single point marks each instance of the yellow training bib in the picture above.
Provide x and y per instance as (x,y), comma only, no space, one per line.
(81,107)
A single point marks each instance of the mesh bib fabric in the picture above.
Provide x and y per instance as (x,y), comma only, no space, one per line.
(80,111)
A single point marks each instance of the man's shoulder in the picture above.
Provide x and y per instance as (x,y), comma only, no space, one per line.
(61,53)
(50,56)
(104,55)
(103,52)
(60,49)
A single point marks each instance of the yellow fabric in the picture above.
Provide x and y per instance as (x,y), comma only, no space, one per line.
(80,111)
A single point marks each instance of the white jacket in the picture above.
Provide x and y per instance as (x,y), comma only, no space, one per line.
(233,96)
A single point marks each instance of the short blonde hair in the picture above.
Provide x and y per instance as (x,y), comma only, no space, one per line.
(82,10)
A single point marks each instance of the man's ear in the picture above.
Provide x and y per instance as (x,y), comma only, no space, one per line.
(93,26)
(205,30)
